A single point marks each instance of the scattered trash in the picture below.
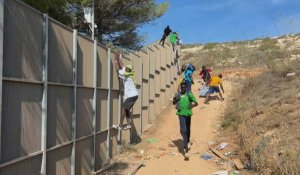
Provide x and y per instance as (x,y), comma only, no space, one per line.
(234,173)
(216,152)
(248,165)
(203,107)
(291,74)
(222,146)
(142,151)
(238,164)
(152,140)
(230,153)
(206,156)
(221,173)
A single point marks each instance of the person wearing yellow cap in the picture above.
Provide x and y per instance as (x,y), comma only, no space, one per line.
(130,92)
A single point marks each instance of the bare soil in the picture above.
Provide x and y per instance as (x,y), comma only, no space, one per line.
(165,156)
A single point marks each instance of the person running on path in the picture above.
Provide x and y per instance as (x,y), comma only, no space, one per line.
(205,74)
(188,77)
(167,31)
(214,84)
(130,92)
(184,102)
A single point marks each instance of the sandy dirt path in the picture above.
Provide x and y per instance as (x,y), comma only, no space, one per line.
(165,156)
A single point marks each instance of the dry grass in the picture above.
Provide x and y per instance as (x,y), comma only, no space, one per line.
(264,111)
(265,114)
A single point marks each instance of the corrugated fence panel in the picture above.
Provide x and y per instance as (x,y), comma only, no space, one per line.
(157,58)
(151,61)
(101,150)
(162,56)
(115,76)
(101,123)
(145,95)
(85,62)
(60,66)
(30,166)
(59,160)
(114,107)
(151,88)
(22,42)
(137,106)
(84,112)
(145,60)
(168,54)
(21,120)
(136,62)
(59,123)
(84,152)
(102,69)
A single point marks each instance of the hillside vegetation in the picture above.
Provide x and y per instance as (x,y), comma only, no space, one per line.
(263,117)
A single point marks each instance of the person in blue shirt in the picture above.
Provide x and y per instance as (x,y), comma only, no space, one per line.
(188,77)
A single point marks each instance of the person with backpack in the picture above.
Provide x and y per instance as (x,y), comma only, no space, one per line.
(184,102)
(188,76)
(167,31)
(130,92)
(214,84)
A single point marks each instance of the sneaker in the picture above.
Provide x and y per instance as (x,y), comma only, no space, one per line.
(119,127)
(189,146)
(186,156)
(127,126)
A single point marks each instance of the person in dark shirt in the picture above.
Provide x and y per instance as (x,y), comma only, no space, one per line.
(205,74)
(167,31)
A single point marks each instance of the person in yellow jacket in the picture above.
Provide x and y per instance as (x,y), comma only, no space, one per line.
(214,84)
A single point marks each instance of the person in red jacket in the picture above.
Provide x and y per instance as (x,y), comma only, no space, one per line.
(205,74)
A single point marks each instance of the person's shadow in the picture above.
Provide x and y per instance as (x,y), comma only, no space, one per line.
(214,97)
(179,145)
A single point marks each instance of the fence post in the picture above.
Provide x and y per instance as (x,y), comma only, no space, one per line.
(94,105)
(108,103)
(141,92)
(44,100)
(148,111)
(1,61)
(74,111)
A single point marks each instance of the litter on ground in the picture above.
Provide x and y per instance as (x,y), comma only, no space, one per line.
(152,140)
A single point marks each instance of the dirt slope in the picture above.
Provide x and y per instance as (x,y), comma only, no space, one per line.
(163,158)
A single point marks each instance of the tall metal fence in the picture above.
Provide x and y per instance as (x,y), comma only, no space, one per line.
(60,95)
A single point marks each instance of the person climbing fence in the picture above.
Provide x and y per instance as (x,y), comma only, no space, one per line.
(184,102)
(174,40)
(167,31)
(130,92)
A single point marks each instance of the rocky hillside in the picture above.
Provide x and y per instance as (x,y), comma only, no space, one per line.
(263,118)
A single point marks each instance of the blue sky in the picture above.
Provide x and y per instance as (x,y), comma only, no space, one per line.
(203,21)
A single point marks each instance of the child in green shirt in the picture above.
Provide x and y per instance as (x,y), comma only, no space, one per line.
(185,101)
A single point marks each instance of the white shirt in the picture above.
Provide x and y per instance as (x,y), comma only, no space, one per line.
(129,87)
